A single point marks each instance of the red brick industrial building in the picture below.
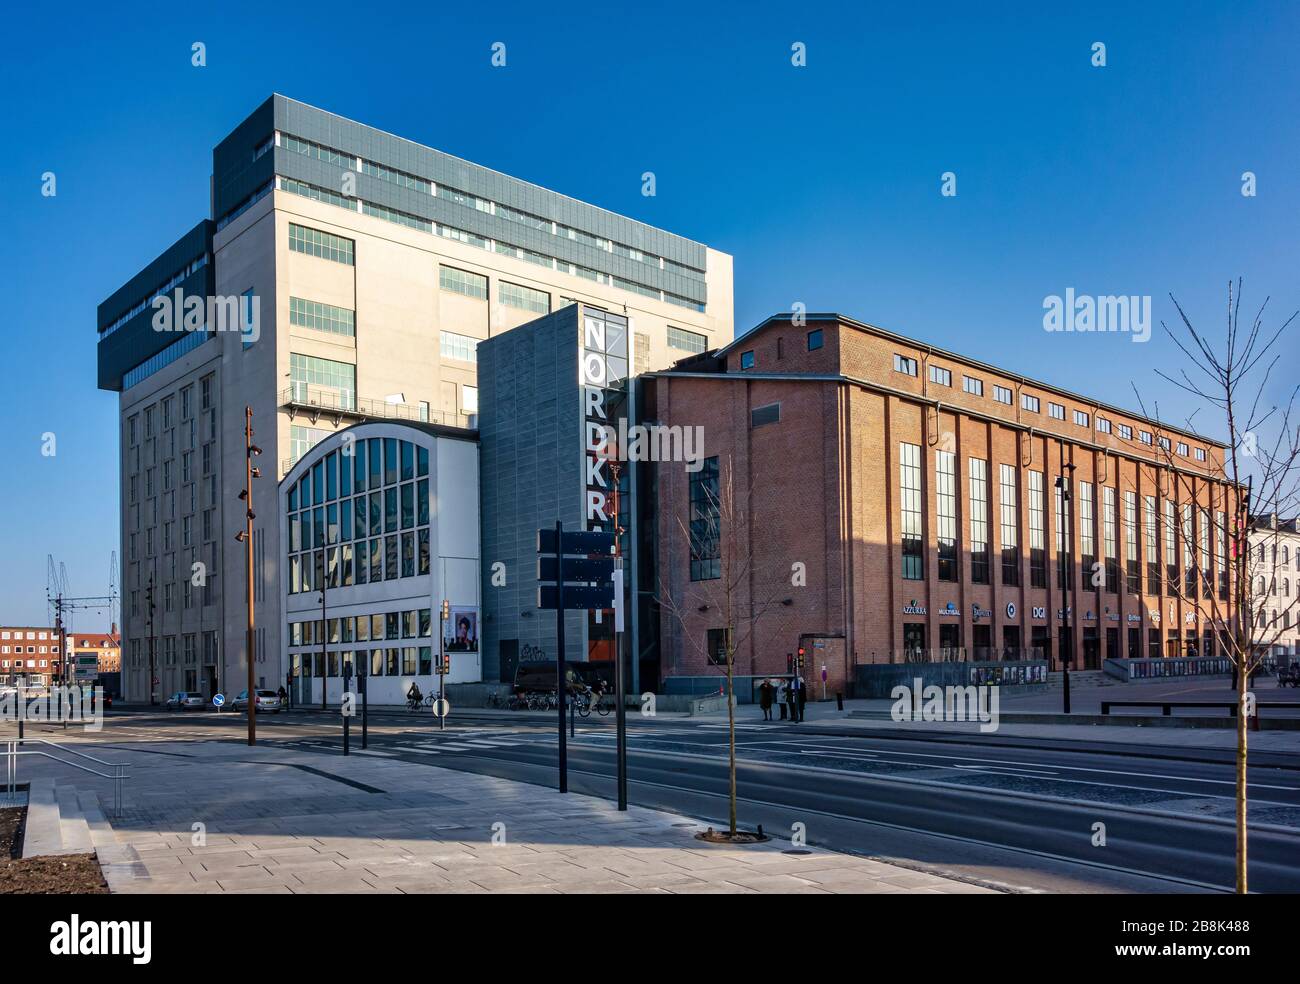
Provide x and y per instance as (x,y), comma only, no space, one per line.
(888,497)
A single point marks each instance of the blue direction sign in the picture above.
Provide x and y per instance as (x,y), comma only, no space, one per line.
(218,699)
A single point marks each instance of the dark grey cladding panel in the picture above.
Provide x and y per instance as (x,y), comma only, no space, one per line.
(351,138)
(530,436)
(135,341)
(193,244)
(235,175)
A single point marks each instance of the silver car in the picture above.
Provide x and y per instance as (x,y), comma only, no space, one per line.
(185,700)
(267,700)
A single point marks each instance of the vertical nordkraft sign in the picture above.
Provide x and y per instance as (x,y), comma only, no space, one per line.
(602,385)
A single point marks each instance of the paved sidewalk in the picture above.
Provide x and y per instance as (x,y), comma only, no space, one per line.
(272,820)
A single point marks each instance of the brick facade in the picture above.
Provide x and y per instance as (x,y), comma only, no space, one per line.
(821,487)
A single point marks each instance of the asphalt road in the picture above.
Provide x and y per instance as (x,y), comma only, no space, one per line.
(1012,814)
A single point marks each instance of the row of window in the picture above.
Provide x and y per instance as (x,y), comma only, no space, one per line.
(472,239)
(1195,529)
(413,623)
(322,317)
(1003,394)
(815,339)
(404,180)
(407,661)
(175,280)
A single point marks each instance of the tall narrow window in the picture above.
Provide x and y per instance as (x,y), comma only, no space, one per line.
(1037,532)
(909,467)
(1087,531)
(1221,552)
(979,521)
(1171,548)
(945,500)
(1008,503)
(1203,532)
(706,518)
(1151,535)
(1189,554)
(1108,541)
(1062,555)
(1132,563)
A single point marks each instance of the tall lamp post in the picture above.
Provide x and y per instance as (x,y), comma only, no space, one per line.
(324,622)
(1064,482)
(245,536)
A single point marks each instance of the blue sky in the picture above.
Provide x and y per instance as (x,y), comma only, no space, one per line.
(822,181)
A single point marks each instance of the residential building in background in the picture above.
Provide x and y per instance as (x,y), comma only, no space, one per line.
(343,275)
(30,655)
(1275,583)
(894,502)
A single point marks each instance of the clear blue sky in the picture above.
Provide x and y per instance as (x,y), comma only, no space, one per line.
(823,182)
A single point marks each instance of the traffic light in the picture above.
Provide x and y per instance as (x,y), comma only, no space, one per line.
(446,610)
(801,657)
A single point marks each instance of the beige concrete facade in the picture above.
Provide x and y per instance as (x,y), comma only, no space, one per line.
(400,309)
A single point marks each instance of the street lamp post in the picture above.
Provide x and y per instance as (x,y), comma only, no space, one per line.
(1064,481)
(324,623)
(245,536)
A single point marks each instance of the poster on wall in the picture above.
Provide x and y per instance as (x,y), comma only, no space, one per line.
(461,633)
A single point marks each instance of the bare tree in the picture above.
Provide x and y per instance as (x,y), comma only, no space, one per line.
(720,538)
(1262,463)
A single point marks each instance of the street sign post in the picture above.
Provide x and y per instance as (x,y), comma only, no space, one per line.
(571,591)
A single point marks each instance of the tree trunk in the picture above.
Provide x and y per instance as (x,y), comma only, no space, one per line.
(731,740)
(1241,781)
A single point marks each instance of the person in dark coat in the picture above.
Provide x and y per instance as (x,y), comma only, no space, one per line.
(765,699)
(801,693)
(792,699)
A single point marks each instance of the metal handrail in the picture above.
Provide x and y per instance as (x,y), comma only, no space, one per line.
(11,770)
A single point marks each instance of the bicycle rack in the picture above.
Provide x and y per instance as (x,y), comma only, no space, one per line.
(118,775)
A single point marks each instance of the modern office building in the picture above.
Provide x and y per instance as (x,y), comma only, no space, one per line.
(380,524)
(343,275)
(1275,584)
(29,655)
(549,391)
(874,499)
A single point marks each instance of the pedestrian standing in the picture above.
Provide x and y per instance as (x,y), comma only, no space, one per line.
(792,699)
(801,694)
(782,697)
(765,699)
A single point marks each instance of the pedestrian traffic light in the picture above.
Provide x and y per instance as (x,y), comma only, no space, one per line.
(446,610)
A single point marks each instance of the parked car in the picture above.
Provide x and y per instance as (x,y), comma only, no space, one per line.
(184,700)
(267,700)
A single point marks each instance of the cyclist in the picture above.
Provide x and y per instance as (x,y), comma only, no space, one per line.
(414,698)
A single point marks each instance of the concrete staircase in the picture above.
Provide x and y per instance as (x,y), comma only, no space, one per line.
(62,819)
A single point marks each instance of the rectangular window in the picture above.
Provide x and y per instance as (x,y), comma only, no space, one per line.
(816,340)
(1008,504)
(1037,532)
(524,298)
(1108,539)
(909,463)
(686,341)
(1182,449)
(1151,535)
(904,365)
(1002,394)
(1056,410)
(1125,432)
(1081,418)
(705,523)
(322,317)
(1200,454)
(979,521)
(1132,563)
(945,499)
(1087,530)
(462,348)
(1221,552)
(1062,554)
(1203,536)
(1145,436)
(973,386)
(1171,547)
(314,242)
(1189,556)
(941,376)
(1103,425)
(307,372)
(1029,403)
(770,414)
(747,359)
(463,282)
